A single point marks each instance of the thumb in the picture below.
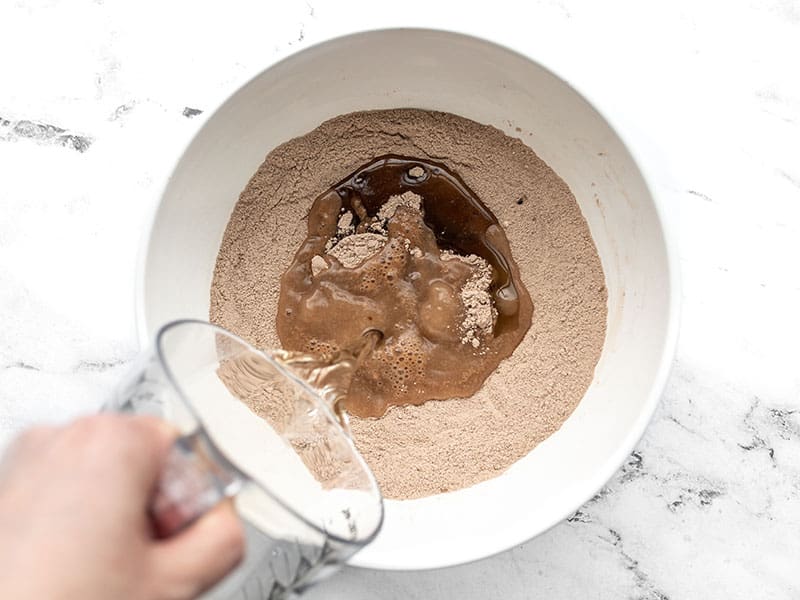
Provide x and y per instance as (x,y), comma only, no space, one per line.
(195,559)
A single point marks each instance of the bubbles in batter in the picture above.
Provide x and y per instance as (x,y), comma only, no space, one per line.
(405,247)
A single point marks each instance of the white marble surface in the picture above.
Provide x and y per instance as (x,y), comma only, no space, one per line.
(709,504)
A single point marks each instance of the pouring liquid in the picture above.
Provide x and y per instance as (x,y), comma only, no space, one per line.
(332,374)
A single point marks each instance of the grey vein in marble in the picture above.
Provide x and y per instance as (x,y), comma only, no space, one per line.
(100,365)
(43,133)
(189,112)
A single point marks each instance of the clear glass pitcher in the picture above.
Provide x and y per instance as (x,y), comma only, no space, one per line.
(251,430)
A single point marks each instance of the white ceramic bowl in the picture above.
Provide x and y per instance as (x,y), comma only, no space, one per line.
(493,85)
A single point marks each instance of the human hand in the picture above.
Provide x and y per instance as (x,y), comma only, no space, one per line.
(74,521)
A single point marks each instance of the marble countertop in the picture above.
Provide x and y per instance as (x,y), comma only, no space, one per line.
(97,99)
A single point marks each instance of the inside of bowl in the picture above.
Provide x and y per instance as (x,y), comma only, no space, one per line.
(492,85)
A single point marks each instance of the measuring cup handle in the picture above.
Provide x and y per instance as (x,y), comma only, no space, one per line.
(194,479)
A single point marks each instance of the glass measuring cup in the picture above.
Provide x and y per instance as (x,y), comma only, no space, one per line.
(252,430)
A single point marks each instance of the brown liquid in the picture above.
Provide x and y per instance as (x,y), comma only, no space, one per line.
(408,289)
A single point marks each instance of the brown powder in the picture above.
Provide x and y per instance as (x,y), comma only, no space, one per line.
(480,313)
(441,445)
(354,249)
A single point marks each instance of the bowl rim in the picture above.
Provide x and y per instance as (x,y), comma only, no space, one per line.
(499,543)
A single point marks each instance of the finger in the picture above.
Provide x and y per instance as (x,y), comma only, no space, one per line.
(32,438)
(27,442)
(200,556)
(154,438)
(148,441)
(155,433)
(137,445)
